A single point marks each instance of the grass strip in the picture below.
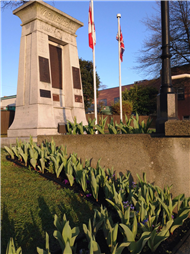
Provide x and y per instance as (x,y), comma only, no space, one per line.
(28,205)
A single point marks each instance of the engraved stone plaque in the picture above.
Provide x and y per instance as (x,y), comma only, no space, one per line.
(44,69)
(78,98)
(55,97)
(76,78)
(56,66)
(45,93)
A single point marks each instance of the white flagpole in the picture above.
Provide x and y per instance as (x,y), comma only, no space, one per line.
(94,66)
(120,91)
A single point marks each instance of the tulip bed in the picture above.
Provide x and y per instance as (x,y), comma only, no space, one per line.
(112,127)
(135,218)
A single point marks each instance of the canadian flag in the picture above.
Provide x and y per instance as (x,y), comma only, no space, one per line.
(91,26)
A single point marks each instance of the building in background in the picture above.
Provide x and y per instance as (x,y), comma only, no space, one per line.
(181,85)
(8,102)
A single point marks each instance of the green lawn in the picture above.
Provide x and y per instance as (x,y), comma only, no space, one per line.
(28,205)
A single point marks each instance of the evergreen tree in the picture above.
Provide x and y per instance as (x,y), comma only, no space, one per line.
(143,99)
(86,68)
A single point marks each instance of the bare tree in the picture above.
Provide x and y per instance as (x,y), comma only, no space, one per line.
(149,60)
(12,4)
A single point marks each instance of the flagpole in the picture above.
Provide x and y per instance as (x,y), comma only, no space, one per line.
(120,91)
(94,66)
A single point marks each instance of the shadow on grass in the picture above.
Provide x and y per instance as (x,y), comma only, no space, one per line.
(45,214)
(29,235)
(47,219)
(76,211)
(7,228)
(26,237)
(80,211)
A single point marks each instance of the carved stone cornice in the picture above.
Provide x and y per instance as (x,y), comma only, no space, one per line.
(39,10)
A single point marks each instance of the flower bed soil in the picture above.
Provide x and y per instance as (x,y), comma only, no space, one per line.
(170,245)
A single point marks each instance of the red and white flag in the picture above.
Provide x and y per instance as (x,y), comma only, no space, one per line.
(91,26)
(122,47)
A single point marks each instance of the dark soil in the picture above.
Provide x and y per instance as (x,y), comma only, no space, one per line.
(167,246)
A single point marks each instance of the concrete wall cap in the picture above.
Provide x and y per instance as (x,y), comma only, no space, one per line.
(177,128)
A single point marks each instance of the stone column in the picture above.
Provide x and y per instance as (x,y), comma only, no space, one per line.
(49,89)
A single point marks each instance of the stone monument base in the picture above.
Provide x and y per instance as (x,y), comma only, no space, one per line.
(166,110)
(33,120)
(177,128)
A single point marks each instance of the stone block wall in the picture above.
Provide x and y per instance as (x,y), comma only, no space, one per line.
(166,160)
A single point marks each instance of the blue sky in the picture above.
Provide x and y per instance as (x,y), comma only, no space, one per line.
(106,50)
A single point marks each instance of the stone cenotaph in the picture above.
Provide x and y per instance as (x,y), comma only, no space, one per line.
(49,89)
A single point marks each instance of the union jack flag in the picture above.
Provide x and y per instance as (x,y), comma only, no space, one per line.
(122,47)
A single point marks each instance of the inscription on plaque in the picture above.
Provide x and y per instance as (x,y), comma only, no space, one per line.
(60,20)
(45,93)
(44,69)
(76,78)
(56,66)
(78,98)
(55,97)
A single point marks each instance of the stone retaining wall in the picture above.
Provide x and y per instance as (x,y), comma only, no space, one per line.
(166,160)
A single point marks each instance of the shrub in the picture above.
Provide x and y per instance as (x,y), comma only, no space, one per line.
(127,108)
(143,99)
